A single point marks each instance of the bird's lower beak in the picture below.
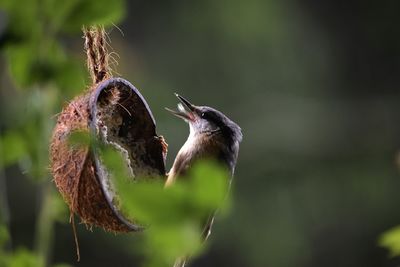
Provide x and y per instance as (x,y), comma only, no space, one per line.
(185,109)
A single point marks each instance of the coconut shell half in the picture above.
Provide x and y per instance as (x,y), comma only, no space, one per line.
(118,115)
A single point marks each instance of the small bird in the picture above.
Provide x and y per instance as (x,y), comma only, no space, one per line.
(212,136)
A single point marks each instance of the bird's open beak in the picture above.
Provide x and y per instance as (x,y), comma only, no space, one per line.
(186,110)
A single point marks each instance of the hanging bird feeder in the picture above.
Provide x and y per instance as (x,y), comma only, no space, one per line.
(116,114)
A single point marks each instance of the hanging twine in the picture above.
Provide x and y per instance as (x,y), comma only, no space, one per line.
(97,54)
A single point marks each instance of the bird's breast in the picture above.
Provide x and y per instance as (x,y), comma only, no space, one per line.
(196,147)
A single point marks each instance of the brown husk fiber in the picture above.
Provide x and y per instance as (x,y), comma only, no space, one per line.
(74,169)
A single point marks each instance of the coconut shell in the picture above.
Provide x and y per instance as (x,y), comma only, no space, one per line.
(118,115)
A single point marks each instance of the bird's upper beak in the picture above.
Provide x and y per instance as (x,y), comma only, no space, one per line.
(186,110)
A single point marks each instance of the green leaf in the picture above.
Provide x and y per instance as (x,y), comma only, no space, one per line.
(171,242)
(59,208)
(175,215)
(80,139)
(21,59)
(28,65)
(70,77)
(91,12)
(23,23)
(391,240)
(12,147)
(207,173)
(57,12)
(4,235)
(24,258)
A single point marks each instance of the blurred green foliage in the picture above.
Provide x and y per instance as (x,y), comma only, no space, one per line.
(391,240)
(314,85)
(47,74)
(14,144)
(43,68)
(34,53)
(22,257)
(39,63)
(19,258)
(174,217)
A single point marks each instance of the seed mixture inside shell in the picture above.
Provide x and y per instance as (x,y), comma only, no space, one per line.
(122,118)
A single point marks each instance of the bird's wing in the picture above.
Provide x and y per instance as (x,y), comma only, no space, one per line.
(179,169)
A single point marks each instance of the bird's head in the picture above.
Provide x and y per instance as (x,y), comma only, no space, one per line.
(206,120)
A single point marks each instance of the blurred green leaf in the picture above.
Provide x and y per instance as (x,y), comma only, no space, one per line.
(33,51)
(79,138)
(26,141)
(175,215)
(37,62)
(70,77)
(12,147)
(209,173)
(91,12)
(57,12)
(170,242)
(33,63)
(23,20)
(24,258)
(4,236)
(59,208)
(391,241)
(21,59)
(37,161)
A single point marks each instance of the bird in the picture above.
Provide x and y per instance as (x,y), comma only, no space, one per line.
(212,135)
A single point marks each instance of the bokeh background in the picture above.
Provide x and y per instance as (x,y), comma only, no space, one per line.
(313,84)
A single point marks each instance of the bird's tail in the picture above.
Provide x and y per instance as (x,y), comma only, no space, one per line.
(180,262)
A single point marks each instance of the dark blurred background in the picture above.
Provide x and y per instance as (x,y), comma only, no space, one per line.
(314,86)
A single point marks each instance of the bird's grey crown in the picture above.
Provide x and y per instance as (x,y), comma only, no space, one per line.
(229,129)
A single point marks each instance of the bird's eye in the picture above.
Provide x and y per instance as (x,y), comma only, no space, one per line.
(203,115)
